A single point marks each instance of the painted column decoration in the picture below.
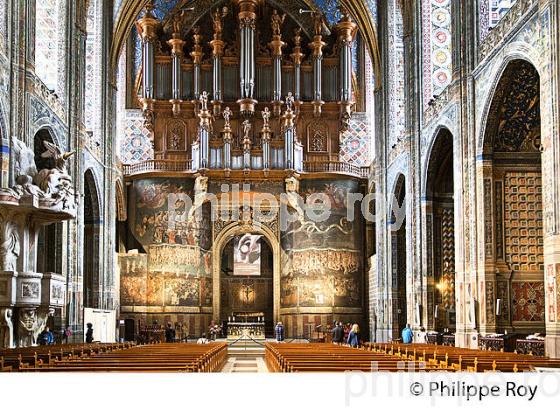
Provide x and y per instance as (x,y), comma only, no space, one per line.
(276,46)
(346,29)
(147,27)
(196,55)
(228,138)
(266,136)
(317,46)
(217,52)
(176,44)
(247,16)
(297,57)
(204,131)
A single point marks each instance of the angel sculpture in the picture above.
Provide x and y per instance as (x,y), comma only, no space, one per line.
(55,182)
(290,101)
(276,22)
(266,117)
(204,101)
(217,18)
(227,114)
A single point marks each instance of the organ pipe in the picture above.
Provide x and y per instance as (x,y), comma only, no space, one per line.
(247,17)
(317,47)
(346,29)
(196,55)
(147,30)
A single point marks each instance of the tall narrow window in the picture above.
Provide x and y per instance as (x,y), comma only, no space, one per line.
(46,42)
(437,61)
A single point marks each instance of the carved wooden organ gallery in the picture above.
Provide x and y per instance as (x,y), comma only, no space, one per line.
(256,93)
(246,87)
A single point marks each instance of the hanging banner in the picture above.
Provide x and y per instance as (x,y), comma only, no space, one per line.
(247,255)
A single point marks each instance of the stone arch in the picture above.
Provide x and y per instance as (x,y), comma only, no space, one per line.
(517,52)
(510,215)
(398,257)
(438,208)
(91,242)
(225,235)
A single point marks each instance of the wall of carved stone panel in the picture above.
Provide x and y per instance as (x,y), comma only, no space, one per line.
(322,262)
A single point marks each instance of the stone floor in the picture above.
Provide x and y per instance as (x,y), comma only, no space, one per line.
(248,364)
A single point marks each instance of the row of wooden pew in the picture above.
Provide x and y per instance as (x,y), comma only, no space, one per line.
(322,357)
(462,359)
(325,357)
(161,357)
(23,358)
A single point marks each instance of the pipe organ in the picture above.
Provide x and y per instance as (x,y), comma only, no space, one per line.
(246,86)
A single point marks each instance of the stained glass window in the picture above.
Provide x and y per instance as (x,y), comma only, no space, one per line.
(436,45)
(46,42)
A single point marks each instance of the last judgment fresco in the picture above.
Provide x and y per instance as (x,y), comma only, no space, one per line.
(322,260)
(175,269)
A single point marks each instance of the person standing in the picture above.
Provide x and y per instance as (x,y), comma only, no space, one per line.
(337,333)
(169,334)
(422,336)
(354,336)
(279,332)
(66,334)
(89,333)
(407,334)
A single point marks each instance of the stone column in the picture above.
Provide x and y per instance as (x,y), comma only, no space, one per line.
(549,17)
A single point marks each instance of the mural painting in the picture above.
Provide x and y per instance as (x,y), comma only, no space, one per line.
(323,260)
(176,268)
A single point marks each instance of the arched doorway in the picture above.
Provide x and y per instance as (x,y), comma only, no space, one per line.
(91,255)
(512,297)
(398,259)
(247,288)
(220,244)
(439,206)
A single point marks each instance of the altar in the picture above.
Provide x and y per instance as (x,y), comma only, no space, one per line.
(246,326)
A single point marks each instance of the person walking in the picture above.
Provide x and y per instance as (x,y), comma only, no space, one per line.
(89,333)
(407,334)
(354,336)
(279,332)
(169,334)
(337,333)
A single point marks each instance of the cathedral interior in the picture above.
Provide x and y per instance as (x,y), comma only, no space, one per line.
(172,161)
